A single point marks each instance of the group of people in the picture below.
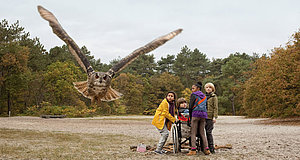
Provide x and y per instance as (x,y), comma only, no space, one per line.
(202,110)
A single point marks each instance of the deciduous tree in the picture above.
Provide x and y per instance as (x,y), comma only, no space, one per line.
(273,89)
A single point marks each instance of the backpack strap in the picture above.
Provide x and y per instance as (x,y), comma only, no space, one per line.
(199,102)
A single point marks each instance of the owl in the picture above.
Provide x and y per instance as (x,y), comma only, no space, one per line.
(97,87)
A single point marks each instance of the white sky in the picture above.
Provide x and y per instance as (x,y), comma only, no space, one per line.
(114,28)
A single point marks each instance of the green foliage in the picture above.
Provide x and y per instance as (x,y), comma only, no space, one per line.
(96,64)
(186,94)
(10,33)
(121,109)
(224,106)
(227,76)
(58,81)
(132,85)
(166,64)
(190,66)
(233,74)
(13,65)
(164,83)
(60,54)
(38,59)
(234,68)
(70,111)
(144,65)
(215,67)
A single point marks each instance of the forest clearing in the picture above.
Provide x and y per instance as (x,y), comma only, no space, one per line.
(110,137)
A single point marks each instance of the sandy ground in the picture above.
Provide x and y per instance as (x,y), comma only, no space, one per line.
(250,138)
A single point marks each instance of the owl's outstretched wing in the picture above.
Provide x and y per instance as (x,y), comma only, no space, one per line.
(62,34)
(145,49)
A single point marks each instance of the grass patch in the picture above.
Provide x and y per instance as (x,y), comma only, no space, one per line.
(26,144)
(282,121)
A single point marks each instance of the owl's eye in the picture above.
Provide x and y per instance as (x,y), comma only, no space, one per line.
(105,77)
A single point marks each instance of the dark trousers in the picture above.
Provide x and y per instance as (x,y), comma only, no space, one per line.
(209,126)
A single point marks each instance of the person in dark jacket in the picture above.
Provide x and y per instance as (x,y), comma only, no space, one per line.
(198,114)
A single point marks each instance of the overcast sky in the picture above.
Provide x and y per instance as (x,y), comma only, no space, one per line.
(114,28)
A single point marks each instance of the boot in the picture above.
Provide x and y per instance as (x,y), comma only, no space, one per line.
(206,151)
(191,153)
(212,149)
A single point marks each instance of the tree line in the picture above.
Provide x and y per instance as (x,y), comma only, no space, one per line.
(34,81)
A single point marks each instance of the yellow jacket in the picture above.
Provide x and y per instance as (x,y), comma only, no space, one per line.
(162,112)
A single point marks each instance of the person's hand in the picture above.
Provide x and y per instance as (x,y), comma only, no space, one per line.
(214,120)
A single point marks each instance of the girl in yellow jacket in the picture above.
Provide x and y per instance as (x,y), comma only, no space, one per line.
(163,119)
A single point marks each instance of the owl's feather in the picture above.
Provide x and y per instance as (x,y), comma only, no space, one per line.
(62,34)
(82,87)
(111,95)
(145,49)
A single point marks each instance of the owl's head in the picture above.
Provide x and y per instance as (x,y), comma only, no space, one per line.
(98,83)
(100,79)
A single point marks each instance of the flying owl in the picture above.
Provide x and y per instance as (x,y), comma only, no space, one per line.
(97,87)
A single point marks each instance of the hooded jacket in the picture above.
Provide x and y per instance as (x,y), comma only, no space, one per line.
(161,114)
(197,106)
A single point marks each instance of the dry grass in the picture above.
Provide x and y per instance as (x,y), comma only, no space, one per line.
(25,144)
(284,121)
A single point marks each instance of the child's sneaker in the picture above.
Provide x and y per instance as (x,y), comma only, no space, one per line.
(164,151)
(212,150)
(159,152)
